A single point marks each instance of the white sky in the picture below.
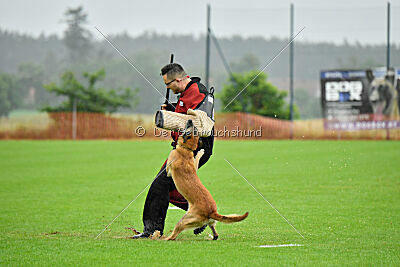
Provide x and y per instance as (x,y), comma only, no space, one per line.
(332,21)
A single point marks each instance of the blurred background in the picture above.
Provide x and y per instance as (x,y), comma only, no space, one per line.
(53,62)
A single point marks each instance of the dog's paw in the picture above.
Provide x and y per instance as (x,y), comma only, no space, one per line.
(156,235)
(200,153)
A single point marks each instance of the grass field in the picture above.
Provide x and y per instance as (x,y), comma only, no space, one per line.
(344,197)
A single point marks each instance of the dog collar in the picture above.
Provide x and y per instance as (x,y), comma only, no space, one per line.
(186,148)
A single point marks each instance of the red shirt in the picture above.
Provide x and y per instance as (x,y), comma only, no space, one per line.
(191,97)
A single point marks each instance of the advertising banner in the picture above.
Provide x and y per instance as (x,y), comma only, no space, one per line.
(360,99)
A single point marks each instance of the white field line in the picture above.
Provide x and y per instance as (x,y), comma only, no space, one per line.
(279,246)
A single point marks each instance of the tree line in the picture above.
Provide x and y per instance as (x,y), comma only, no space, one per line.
(29,62)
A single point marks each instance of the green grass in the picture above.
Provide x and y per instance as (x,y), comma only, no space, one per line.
(18,113)
(344,197)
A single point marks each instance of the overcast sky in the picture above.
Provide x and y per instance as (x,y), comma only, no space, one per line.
(325,20)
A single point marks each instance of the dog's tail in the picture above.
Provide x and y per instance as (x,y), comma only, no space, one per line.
(228,218)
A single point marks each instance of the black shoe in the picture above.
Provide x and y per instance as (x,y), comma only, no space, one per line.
(199,230)
(141,235)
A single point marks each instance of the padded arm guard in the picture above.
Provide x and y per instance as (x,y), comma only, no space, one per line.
(177,122)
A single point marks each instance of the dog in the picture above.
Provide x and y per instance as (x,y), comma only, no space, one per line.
(182,167)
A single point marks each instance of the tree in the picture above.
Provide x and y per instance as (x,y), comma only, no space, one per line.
(247,62)
(89,99)
(30,80)
(309,105)
(10,97)
(76,36)
(260,97)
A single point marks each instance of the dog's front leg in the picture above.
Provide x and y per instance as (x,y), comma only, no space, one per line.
(198,157)
(168,170)
(169,162)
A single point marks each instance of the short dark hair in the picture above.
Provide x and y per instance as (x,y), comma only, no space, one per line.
(173,70)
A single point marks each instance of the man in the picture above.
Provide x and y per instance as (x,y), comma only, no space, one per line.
(163,191)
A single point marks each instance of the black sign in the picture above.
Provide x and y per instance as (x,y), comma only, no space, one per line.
(360,99)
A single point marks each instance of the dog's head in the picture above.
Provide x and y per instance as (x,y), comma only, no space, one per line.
(189,137)
(379,96)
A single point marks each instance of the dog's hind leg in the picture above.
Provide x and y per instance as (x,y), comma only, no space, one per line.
(212,227)
(188,221)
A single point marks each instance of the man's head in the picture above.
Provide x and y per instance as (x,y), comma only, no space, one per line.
(174,77)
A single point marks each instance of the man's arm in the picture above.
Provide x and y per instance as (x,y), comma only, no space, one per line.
(169,106)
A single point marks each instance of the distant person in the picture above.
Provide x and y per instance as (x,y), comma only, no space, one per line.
(163,191)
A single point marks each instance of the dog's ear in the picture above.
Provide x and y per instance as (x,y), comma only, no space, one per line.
(186,137)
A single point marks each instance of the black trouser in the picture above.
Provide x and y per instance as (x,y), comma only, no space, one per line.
(157,200)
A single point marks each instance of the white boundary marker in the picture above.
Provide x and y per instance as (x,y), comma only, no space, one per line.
(173,208)
(279,246)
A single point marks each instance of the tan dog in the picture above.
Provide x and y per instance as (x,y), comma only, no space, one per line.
(182,166)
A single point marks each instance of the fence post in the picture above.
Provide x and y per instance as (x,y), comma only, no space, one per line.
(74,119)
(291,60)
